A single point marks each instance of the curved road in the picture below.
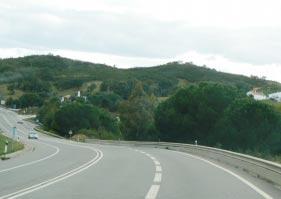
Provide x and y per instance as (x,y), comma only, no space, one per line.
(56,168)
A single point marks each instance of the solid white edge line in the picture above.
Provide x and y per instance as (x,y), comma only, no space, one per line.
(255,188)
(61,177)
(35,161)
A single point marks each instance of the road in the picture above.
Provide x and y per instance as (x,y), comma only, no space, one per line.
(57,168)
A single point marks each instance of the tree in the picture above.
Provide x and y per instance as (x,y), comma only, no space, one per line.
(137,116)
(250,125)
(106,100)
(47,112)
(193,112)
(76,116)
(29,100)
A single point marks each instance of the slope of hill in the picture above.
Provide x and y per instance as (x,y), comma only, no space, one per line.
(53,75)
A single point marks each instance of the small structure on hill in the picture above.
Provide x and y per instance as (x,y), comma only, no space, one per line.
(257,94)
(275,96)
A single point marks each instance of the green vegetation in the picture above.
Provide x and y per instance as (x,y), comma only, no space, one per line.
(107,100)
(26,100)
(51,76)
(193,112)
(77,116)
(136,114)
(220,116)
(13,146)
(177,102)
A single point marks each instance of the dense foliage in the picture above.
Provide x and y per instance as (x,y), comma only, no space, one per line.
(76,116)
(26,100)
(49,73)
(137,116)
(250,125)
(202,104)
(217,115)
(107,100)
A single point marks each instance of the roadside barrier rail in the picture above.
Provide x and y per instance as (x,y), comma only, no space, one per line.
(264,169)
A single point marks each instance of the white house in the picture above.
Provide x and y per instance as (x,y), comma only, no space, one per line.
(257,95)
(275,96)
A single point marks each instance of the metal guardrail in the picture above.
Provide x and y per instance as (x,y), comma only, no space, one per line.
(266,170)
(48,133)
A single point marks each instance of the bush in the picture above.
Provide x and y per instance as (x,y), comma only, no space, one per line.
(76,116)
(69,83)
(106,100)
(193,112)
(250,125)
(26,100)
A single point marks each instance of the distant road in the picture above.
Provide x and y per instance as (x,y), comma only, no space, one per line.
(56,168)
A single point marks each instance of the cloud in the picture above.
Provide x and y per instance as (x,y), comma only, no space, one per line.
(240,31)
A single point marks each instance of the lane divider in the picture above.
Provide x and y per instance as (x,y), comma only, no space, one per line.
(154,189)
(59,178)
(22,192)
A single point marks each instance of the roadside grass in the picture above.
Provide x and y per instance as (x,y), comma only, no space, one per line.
(13,146)
(277,159)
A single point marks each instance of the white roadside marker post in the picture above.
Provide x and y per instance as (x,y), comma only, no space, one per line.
(5,149)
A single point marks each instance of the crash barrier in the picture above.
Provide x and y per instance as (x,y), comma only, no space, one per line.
(266,170)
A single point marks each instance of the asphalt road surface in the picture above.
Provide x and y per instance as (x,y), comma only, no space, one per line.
(56,168)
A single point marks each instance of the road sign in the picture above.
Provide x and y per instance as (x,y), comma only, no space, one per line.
(70,133)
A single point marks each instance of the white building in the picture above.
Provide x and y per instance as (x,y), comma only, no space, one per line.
(275,96)
(257,95)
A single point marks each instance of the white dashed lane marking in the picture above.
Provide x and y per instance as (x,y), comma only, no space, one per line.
(158,168)
(157,177)
(154,189)
(156,162)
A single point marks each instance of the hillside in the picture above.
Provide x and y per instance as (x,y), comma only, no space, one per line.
(51,75)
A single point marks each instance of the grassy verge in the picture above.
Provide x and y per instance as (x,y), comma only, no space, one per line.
(13,146)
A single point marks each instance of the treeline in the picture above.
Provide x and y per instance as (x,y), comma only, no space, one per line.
(145,103)
(220,116)
(48,73)
(213,114)
(79,117)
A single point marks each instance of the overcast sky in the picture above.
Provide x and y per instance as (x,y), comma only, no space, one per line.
(241,36)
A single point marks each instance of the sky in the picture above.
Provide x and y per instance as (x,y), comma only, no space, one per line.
(241,36)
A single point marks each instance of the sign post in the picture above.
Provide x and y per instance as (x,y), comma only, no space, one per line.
(70,133)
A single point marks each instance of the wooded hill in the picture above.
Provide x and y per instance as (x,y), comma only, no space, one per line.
(50,75)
